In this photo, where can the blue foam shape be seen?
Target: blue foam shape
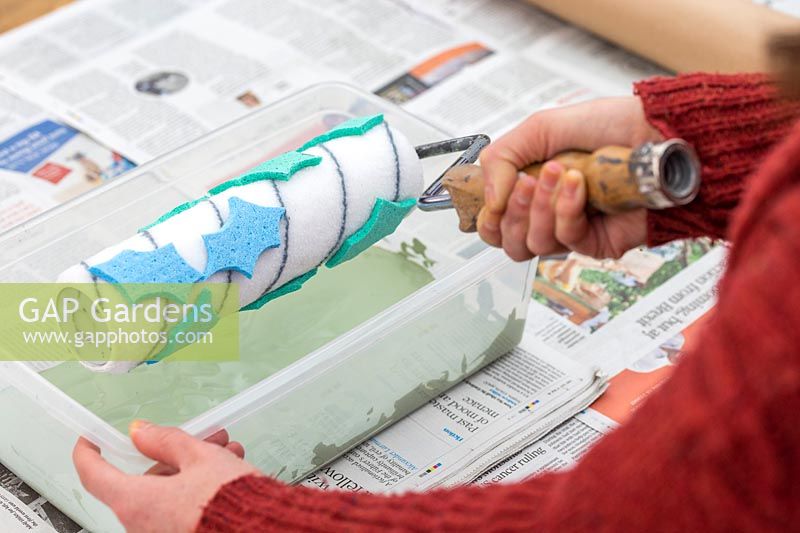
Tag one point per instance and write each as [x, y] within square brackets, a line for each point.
[249, 230]
[163, 265]
[290, 286]
[348, 128]
[383, 220]
[281, 168]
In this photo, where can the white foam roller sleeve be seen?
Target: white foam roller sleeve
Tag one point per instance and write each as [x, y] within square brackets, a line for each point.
[325, 204]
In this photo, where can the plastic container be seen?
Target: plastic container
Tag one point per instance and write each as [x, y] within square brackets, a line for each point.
[316, 408]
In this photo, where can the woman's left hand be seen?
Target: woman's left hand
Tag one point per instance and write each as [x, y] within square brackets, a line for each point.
[172, 494]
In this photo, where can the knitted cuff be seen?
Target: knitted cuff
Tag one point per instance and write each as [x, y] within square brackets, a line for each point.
[259, 503]
[241, 505]
[732, 121]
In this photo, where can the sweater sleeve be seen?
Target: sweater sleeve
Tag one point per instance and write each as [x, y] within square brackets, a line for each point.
[732, 121]
[714, 448]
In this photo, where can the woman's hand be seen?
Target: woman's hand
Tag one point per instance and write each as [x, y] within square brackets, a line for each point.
[169, 497]
[529, 217]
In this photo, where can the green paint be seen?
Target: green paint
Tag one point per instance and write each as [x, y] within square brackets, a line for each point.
[424, 392]
[272, 338]
[290, 286]
[349, 128]
[383, 220]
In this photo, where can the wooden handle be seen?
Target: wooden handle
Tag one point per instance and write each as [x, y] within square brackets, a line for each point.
[610, 187]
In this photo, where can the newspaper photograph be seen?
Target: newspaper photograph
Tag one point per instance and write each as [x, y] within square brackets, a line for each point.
[45, 162]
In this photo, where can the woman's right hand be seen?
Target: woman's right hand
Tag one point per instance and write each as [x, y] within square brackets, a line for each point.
[529, 217]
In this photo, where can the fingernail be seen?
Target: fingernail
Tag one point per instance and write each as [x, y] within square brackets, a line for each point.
[570, 186]
[553, 167]
[548, 179]
[523, 198]
[137, 425]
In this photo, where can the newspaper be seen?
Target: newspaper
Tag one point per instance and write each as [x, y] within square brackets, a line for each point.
[467, 429]
[22, 510]
[205, 64]
[564, 446]
[101, 86]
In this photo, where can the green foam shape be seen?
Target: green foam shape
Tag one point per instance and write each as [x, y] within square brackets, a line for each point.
[280, 168]
[383, 220]
[349, 128]
[283, 290]
[179, 209]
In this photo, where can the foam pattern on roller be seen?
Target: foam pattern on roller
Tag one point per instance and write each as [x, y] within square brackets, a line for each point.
[270, 229]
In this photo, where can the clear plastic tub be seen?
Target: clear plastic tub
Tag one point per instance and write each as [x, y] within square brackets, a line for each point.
[313, 406]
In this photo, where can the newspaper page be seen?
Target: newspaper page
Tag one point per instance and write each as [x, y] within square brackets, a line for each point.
[465, 66]
[22, 510]
[216, 62]
[537, 62]
[146, 77]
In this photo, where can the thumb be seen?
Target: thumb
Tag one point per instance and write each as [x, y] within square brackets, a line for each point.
[168, 445]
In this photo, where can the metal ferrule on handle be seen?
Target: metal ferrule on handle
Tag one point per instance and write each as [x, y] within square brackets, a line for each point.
[435, 198]
[668, 173]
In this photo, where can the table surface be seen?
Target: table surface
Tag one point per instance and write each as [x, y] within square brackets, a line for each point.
[16, 12]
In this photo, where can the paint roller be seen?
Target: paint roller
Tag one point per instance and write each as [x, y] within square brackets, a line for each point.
[270, 229]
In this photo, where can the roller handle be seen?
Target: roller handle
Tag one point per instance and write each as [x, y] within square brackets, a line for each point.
[618, 179]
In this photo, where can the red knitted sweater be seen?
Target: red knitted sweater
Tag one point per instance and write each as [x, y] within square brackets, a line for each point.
[715, 448]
